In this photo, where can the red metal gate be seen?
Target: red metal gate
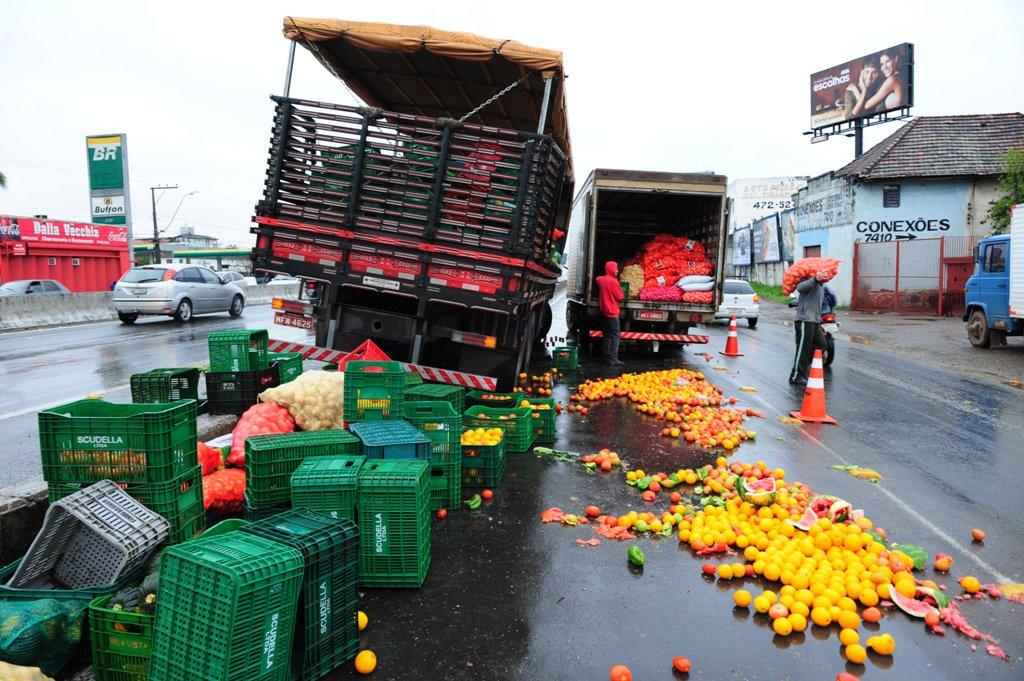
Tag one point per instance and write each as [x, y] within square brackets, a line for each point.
[922, 276]
[897, 276]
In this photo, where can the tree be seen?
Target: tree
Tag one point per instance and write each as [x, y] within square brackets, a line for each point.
[1010, 190]
[3, 180]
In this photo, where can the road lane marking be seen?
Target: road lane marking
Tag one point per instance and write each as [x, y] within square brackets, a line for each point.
[904, 506]
[51, 405]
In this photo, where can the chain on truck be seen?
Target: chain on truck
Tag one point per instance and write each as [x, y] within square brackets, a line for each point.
[429, 219]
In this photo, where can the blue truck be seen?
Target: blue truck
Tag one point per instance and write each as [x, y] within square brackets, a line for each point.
[995, 293]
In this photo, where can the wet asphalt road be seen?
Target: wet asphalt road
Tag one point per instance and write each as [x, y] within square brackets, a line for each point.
[48, 367]
[510, 598]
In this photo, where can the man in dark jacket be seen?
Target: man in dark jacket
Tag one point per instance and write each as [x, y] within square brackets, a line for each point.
[807, 326]
[610, 295]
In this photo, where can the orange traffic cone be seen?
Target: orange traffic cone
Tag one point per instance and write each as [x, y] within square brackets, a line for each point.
[732, 343]
[813, 408]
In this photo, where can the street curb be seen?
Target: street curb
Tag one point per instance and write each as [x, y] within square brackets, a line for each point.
[23, 505]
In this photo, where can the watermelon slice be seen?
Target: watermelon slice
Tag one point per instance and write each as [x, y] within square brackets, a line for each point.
[915, 607]
[941, 599]
[757, 492]
[807, 521]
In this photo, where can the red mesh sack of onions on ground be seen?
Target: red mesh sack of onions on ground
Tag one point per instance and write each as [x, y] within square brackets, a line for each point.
[808, 267]
[260, 419]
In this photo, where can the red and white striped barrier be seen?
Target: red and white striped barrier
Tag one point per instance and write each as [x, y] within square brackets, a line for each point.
[667, 337]
[466, 380]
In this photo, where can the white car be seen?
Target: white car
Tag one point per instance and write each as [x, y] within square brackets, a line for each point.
[160, 290]
[739, 300]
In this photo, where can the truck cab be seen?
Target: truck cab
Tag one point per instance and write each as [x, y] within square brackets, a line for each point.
[987, 310]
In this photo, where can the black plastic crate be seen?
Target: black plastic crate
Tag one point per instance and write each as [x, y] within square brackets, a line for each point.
[232, 392]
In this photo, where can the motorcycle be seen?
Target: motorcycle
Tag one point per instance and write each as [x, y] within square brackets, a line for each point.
[830, 326]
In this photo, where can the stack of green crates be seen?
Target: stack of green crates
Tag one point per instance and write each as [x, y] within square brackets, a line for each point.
[327, 484]
[122, 640]
[165, 385]
[374, 391]
[483, 398]
[241, 350]
[483, 465]
[543, 419]
[393, 505]
[453, 394]
[289, 365]
[443, 425]
[518, 431]
[226, 609]
[270, 461]
[326, 629]
[566, 358]
[147, 449]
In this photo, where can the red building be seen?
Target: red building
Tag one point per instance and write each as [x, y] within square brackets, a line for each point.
[81, 255]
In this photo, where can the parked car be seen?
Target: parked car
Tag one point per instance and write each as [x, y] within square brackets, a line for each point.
[232, 277]
[159, 290]
[20, 287]
[739, 300]
[250, 281]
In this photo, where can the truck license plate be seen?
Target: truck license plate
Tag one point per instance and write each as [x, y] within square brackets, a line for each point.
[652, 315]
[382, 283]
[285, 319]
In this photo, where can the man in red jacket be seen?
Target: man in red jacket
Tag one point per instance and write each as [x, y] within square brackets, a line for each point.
[610, 295]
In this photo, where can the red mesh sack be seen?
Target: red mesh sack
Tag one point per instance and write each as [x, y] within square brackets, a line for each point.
[223, 490]
[699, 297]
[259, 419]
[808, 267]
[661, 294]
[209, 458]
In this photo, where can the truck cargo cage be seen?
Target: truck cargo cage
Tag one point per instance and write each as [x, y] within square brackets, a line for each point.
[433, 180]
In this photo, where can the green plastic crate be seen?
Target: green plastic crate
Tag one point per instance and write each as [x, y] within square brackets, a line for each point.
[226, 609]
[453, 394]
[289, 365]
[270, 461]
[442, 424]
[179, 501]
[483, 465]
[566, 358]
[121, 641]
[543, 419]
[412, 379]
[326, 629]
[252, 512]
[165, 385]
[482, 398]
[393, 506]
[327, 484]
[374, 391]
[85, 594]
[240, 350]
[445, 485]
[392, 440]
[518, 431]
[93, 440]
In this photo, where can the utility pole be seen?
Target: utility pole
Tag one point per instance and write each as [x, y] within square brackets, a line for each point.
[156, 232]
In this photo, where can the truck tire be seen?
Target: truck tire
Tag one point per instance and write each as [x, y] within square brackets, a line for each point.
[977, 329]
[543, 322]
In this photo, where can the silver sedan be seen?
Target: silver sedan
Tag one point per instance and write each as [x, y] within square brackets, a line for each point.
[178, 293]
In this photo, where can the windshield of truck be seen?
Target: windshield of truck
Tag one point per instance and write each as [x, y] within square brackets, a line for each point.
[143, 275]
[737, 288]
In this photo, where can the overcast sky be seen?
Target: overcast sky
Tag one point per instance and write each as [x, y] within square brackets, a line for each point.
[679, 86]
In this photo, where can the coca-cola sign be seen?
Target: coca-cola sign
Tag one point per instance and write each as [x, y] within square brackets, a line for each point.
[32, 230]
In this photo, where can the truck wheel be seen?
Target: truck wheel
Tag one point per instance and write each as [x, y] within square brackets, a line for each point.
[127, 317]
[977, 330]
[543, 322]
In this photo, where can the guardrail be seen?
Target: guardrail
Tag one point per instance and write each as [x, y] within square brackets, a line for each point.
[63, 309]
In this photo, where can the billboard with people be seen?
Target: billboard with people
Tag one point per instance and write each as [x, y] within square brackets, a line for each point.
[863, 87]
